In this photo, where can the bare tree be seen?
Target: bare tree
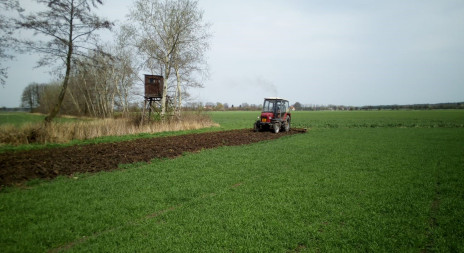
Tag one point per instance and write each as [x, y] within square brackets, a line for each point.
[189, 58]
[101, 82]
[126, 70]
[166, 30]
[92, 87]
[298, 106]
[31, 96]
[70, 26]
[189, 64]
[47, 93]
[6, 32]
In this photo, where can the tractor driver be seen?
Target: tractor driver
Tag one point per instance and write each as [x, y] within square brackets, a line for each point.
[278, 105]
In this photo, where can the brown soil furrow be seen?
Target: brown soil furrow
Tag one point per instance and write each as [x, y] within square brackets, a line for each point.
[18, 167]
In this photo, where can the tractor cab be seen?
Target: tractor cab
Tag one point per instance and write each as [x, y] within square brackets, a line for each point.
[275, 115]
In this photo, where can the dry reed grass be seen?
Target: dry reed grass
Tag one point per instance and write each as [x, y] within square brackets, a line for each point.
[89, 129]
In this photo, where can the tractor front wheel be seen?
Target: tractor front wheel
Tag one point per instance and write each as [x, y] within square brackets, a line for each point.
[276, 127]
[255, 127]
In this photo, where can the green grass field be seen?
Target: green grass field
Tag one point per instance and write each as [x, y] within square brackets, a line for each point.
[19, 118]
[352, 119]
[387, 181]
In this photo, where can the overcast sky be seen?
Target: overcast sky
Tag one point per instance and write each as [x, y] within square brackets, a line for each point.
[315, 52]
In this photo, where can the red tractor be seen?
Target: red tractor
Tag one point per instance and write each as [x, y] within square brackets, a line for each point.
[275, 115]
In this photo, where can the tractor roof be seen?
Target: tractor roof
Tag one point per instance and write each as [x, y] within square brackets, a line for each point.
[275, 98]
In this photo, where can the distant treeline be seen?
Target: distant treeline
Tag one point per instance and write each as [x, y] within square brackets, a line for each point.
[301, 107]
[313, 107]
[14, 109]
[297, 106]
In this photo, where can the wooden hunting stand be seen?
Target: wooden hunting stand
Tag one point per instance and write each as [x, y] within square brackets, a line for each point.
[153, 94]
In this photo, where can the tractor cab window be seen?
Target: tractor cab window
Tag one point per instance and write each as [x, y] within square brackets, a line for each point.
[268, 106]
[279, 109]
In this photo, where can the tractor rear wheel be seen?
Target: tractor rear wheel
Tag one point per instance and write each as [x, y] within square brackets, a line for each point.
[287, 125]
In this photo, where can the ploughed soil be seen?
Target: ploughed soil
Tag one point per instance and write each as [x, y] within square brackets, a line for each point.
[19, 167]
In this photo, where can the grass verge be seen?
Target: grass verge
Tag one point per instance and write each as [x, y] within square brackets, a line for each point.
[20, 137]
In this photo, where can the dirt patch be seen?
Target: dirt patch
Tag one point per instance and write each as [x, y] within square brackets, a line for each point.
[18, 167]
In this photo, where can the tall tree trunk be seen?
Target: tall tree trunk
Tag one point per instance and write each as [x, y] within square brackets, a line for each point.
[64, 87]
[75, 103]
[165, 86]
[179, 92]
[164, 98]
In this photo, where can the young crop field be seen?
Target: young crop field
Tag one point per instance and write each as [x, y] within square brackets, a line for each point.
[353, 119]
[382, 181]
[20, 118]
